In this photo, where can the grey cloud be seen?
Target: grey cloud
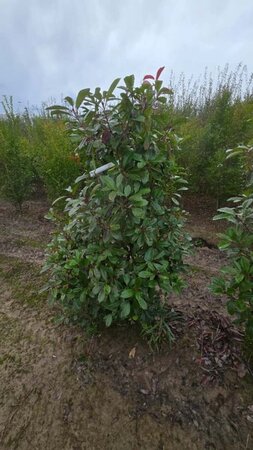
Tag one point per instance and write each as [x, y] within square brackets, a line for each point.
[54, 47]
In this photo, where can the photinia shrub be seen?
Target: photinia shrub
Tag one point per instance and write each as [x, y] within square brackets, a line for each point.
[236, 281]
[120, 244]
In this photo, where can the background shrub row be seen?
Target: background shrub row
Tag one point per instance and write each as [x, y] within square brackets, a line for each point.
[209, 117]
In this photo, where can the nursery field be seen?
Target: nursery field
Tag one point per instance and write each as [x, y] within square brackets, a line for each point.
[63, 389]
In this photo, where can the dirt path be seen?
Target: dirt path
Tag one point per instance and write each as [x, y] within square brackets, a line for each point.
[62, 390]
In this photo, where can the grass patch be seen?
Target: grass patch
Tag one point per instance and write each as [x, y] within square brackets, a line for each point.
[26, 242]
[9, 327]
[24, 280]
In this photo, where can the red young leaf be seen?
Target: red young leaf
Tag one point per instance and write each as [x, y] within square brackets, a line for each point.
[148, 77]
[158, 73]
[106, 136]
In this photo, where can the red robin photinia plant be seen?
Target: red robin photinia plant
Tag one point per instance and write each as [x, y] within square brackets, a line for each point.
[119, 250]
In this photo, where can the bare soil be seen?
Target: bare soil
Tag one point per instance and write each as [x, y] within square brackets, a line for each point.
[63, 389]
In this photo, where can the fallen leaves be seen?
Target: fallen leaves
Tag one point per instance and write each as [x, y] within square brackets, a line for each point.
[219, 343]
[132, 352]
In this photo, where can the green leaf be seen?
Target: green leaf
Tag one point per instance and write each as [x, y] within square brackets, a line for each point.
[117, 236]
[135, 318]
[140, 118]
[57, 107]
[59, 110]
[142, 303]
[112, 196]
[81, 96]
[119, 180]
[226, 216]
[81, 178]
[145, 177]
[58, 199]
[149, 254]
[129, 82]
[144, 191]
[175, 201]
[224, 245]
[166, 90]
[162, 99]
[101, 296]
[107, 289]
[127, 190]
[138, 212]
[158, 84]
[114, 226]
[141, 164]
[112, 87]
[139, 201]
[136, 197]
[69, 100]
[245, 264]
[227, 210]
[126, 278]
[233, 153]
[108, 320]
[98, 94]
[127, 293]
[96, 289]
[144, 274]
[125, 310]
[109, 182]
[137, 157]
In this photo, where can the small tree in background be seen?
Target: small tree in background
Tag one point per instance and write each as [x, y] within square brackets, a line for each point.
[121, 243]
[53, 156]
[16, 168]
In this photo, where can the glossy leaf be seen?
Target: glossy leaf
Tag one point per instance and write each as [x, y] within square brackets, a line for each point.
[129, 82]
[69, 100]
[127, 293]
[112, 87]
[108, 320]
[158, 73]
[125, 310]
[81, 97]
[148, 77]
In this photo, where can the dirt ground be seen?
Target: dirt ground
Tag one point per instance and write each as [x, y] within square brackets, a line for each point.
[61, 389]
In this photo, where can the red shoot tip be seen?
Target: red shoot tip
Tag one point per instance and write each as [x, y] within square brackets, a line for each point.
[158, 73]
[148, 77]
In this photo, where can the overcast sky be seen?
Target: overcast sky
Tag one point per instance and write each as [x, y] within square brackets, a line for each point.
[50, 48]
